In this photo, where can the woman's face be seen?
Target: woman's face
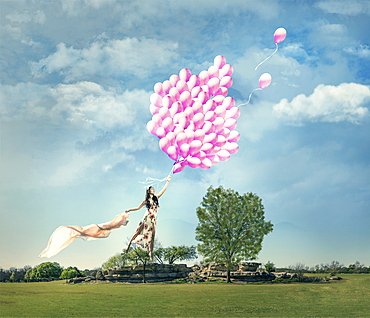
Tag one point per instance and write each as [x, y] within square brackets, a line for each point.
[151, 190]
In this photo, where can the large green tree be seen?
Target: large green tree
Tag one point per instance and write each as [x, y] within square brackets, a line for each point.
[231, 226]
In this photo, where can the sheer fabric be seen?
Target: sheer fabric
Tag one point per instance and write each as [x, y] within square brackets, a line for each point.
[65, 235]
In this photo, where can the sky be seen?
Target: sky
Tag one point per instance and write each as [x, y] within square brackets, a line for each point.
[76, 78]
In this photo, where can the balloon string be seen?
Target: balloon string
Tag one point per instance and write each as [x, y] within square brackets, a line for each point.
[267, 58]
[151, 181]
[249, 98]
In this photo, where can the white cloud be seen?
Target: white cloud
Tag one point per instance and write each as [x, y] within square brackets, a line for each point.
[352, 8]
[327, 103]
[83, 104]
[363, 51]
[112, 58]
[26, 17]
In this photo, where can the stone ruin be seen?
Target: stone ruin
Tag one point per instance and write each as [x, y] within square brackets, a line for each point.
[154, 273]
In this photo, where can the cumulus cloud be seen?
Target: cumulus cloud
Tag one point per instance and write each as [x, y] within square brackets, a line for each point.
[363, 51]
[355, 7]
[111, 58]
[27, 17]
[327, 103]
[81, 104]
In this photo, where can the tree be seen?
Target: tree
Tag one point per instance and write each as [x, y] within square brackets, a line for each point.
[69, 273]
[179, 253]
[138, 255]
[270, 267]
[47, 270]
[231, 226]
[117, 260]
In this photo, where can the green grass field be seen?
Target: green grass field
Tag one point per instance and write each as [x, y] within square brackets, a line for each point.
[346, 298]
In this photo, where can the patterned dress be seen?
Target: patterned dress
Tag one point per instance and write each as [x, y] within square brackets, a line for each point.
[145, 232]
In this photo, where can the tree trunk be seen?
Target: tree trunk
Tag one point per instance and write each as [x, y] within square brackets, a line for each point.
[228, 280]
[144, 281]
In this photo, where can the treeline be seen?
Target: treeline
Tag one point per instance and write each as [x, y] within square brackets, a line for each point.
[335, 267]
[48, 271]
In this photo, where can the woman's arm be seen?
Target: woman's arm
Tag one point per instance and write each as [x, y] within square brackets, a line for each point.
[138, 208]
[164, 188]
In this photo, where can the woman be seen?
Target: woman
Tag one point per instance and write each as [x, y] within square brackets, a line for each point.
[145, 232]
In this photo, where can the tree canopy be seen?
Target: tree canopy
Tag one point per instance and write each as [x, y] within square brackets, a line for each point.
[231, 226]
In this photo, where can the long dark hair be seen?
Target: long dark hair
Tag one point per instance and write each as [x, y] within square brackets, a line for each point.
[147, 197]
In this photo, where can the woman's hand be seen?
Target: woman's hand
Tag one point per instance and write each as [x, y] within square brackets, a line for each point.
[169, 178]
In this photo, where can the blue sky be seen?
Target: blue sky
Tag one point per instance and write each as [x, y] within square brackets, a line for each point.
[76, 77]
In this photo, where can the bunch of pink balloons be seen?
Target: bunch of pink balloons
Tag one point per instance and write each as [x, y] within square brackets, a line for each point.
[194, 118]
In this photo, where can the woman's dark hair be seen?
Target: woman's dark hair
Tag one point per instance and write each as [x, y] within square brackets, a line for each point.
[147, 196]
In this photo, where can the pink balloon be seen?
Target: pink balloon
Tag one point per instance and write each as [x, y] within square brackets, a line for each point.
[204, 77]
[203, 97]
[219, 61]
[226, 81]
[164, 143]
[222, 91]
[195, 146]
[198, 120]
[199, 135]
[195, 91]
[227, 70]
[172, 152]
[197, 107]
[174, 93]
[182, 86]
[213, 85]
[231, 147]
[265, 80]
[207, 127]
[213, 71]
[220, 111]
[176, 108]
[153, 109]
[160, 132]
[221, 141]
[207, 147]
[164, 112]
[174, 79]
[218, 99]
[225, 132]
[156, 100]
[171, 137]
[167, 101]
[206, 164]
[193, 162]
[184, 150]
[152, 127]
[214, 159]
[185, 98]
[230, 123]
[209, 105]
[178, 167]
[210, 138]
[181, 138]
[218, 123]
[158, 88]
[167, 86]
[167, 124]
[200, 154]
[156, 118]
[223, 155]
[185, 74]
[210, 116]
[279, 35]
[228, 102]
[234, 136]
[234, 112]
[193, 81]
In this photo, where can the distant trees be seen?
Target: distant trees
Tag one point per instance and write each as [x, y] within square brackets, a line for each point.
[270, 267]
[70, 272]
[117, 260]
[173, 253]
[231, 226]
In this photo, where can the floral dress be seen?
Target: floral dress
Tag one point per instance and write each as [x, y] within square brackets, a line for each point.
[145, 232]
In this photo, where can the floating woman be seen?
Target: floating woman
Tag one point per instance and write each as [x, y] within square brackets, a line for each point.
[145, 232]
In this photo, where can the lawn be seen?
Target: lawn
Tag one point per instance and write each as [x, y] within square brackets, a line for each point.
[346, 298]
